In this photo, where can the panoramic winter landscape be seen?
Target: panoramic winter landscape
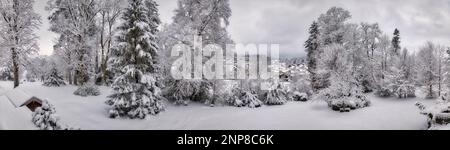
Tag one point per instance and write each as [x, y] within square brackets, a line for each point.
[224, 65]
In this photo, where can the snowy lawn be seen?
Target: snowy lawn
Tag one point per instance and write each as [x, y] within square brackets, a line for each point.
[91, 114]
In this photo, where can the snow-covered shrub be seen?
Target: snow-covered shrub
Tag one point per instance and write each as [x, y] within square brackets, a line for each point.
[53, 79]
[276, 96]
[297, 96]
[349, 103]
[384, 92]
[438, 115]
[45, 118]
[245, 99]
[344, 96]
[184, 91]
[181, 91]
[87, 90]
[405, 91]
[5, 74]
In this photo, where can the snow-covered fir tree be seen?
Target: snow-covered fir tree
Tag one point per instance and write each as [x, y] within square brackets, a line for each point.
[396, 47]
[45, 118]
[54, 79]
[312, 48]
[276, 96]
[87, 90]
[18, 25]
[136, 94]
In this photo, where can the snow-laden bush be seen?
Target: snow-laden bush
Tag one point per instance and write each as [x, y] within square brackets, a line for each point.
[297, 96]
[53, 79]
[344, 95]
[438, 115]
[45, 118]
[87, 90]
[349, 103]
[384, 91]
[245, 99]
[184, 91]
[276, 96]
[405, 91]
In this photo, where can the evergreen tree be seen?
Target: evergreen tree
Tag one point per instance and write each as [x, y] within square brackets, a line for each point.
[45, 118]
[136, 93]
[54, 79]
[312, 48]
[276, 96]
[396, 47]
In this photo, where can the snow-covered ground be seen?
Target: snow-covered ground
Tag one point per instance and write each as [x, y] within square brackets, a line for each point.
[91, 114]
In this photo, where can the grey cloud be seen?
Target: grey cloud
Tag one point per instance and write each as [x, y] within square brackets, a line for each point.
[286, 22]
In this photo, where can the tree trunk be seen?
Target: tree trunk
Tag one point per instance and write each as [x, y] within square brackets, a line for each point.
[431, 90]
[15, 67]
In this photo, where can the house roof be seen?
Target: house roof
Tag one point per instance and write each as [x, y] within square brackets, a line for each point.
[12, 118]
[18, 97]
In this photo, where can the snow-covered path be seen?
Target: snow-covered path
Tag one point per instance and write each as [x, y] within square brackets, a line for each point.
[91, 114]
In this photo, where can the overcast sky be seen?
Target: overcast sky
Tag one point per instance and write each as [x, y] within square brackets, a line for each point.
[286, 22]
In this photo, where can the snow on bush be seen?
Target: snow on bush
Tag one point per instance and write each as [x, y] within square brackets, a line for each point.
[384, 92]
[45, 118]
[276, 96]
[405, 91]
[438, 115]
[53, 79]
[344, 96]
[184, 91]
[245, 99]
[303, 97]
[349, 103]
[87, 90]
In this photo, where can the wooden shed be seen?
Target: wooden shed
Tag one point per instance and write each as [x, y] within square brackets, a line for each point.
[20, 99]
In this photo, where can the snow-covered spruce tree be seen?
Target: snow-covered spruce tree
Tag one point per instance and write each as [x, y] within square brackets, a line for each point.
[45, 118]
[87, 90]
[243, 95]
[17, 25]
[136, 94]
[54, 79]
[396, 47]
[276, 96]
[312, 48]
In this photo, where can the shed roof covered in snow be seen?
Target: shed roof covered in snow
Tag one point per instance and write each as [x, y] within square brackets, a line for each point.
[2, 90]
[12, 118]
[19, 98]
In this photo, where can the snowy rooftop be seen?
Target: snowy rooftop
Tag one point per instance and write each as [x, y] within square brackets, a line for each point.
[12, 118]
[2, 90]
[18, 97]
